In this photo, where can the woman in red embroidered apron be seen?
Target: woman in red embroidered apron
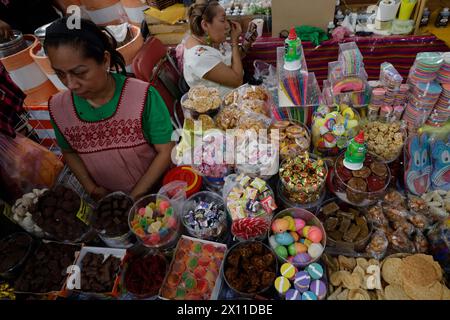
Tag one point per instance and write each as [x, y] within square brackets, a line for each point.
[115, 132]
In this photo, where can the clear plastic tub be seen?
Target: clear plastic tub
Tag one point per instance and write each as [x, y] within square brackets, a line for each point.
[291, 143]
[299, 192]
[207, 232]
[27, 243]
[148, 259]
[168, 233]
[193, 114]
[125, 240]
[357, 198]
[285, 202]
[343, 246]
[311, 220]
[226, 267]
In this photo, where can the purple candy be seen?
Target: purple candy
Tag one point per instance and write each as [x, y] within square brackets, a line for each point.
[302, 258]
[302, 281]
[293, 294]
[319, 288]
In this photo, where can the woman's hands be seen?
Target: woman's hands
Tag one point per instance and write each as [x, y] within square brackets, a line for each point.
[236, 31]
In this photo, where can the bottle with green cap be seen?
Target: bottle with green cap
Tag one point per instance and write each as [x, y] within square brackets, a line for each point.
[292, 51]
[356, 153]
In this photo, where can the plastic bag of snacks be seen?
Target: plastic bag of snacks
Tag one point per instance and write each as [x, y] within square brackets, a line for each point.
[201, 100]
[250, 203]
[253, 98]
[378, 245]
[25, 165]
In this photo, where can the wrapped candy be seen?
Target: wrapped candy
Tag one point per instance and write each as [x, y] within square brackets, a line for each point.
[333, 128]
[303, 178]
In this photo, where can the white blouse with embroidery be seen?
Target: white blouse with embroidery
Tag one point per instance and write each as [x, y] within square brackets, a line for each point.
[200, 59]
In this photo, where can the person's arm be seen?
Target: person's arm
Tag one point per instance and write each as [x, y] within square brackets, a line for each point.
[77, 167]
[157, 168]
[60, 5]
[229, 76]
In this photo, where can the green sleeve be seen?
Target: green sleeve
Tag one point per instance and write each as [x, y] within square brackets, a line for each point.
[156, 119]
[62, 143]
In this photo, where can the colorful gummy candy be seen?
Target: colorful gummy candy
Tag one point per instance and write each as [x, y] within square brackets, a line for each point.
[156, 224]
[194, 270]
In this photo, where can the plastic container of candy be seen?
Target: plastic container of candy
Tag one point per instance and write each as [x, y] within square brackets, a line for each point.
[125, 240]
[143, 275]
[332, 129]
[194, 105]
[264, 270]
[353, 189]
[204, 216]
[344, 210]
[284, 201]
[297, 236]
[23, 245]
[306, 186]
[154, 222]
[294, 137]
[250, 207]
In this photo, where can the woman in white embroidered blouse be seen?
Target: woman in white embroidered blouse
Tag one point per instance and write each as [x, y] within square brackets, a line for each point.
[208, 59]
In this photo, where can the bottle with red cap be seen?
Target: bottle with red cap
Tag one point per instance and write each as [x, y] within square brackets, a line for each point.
[355, 153]
[292, 51]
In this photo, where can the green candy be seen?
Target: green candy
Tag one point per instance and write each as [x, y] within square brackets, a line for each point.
[193, 263]
[184, 276]
[181, 292]
[282, 252]
[191, 283]
[291, 249]
[197, 248]
[169, 212]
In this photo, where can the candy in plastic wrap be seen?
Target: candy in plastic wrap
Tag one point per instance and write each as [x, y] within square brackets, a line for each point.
[378, 245]
[420, 242]
[394, 198]
[405, 226]
[400, 242]
[418, 220]
[395, 213]
[376, 216]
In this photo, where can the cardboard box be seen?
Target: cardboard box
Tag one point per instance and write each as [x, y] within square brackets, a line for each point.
[291, 13]
[171, 38]
[167, 28]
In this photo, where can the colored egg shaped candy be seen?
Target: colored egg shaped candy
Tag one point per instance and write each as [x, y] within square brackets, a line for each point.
[319, 288]
[280, 225]
[315, 270]
[281, 251]
[299, 224]
[300, 247]
[314, 234]
[309, 295]
[315, 250]
[293, 294]
[305, 231]
[292, 250]
[284, 239]
[282, 284]
[291, 222]
[288, 270]
[273, 242]
[302, 280]
[302, 259]
[295, 235]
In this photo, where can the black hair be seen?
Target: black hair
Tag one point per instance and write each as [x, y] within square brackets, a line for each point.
[92, 39]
